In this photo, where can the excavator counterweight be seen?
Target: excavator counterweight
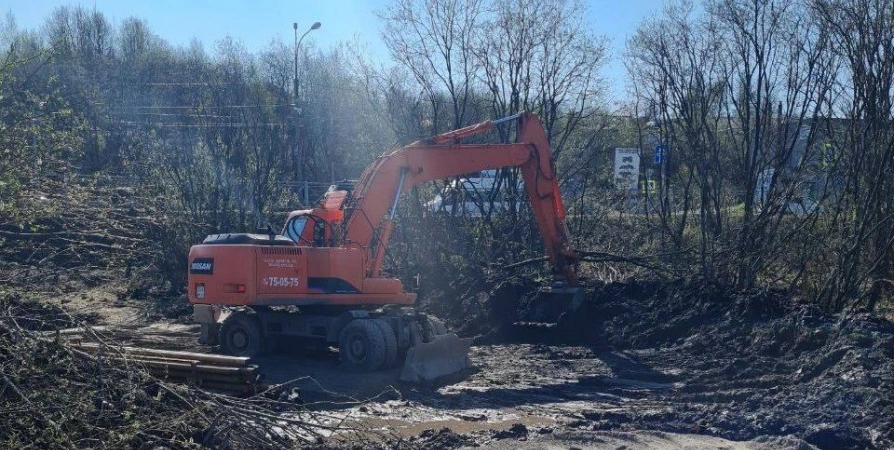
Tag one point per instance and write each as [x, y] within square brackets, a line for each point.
[320, 281]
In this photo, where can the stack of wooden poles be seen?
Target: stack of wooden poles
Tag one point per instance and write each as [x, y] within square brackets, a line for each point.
[219, 372]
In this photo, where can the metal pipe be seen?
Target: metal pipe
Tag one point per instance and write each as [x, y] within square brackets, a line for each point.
[400, 187]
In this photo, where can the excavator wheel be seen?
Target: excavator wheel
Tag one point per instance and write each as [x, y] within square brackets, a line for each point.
[362, 346]
[241, 335]
[390, 342]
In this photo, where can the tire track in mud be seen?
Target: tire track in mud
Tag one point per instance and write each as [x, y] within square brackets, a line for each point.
[559, 396]
[686, 357]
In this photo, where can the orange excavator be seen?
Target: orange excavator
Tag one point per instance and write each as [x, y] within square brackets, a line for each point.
[320, 281]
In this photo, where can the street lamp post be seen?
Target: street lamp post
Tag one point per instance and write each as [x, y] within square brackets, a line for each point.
[315, 26]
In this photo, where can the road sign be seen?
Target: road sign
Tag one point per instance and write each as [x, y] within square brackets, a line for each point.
[660, 154]
[626, 168]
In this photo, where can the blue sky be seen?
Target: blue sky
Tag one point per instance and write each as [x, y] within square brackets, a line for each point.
[256, 23]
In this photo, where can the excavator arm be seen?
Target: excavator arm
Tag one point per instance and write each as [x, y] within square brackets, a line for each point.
[369, 217]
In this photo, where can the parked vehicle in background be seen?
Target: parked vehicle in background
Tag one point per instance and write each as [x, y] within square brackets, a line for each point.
[474, 195]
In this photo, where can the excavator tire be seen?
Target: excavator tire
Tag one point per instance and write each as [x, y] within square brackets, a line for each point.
[390, 342]
[361, 345]
[241, 335]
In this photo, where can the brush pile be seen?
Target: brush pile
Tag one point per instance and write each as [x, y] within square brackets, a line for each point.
[54, 395]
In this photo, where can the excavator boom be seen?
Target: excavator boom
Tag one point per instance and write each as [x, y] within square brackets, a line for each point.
[369, 219]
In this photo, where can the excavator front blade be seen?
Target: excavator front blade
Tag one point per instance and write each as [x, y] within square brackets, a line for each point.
[444, 355]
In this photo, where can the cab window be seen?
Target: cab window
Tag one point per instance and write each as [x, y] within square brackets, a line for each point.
[295, 227]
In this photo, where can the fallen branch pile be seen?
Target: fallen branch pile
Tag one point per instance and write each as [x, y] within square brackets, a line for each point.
[56, 395]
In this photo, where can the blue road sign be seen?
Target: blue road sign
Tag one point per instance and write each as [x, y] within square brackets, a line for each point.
[660, 154]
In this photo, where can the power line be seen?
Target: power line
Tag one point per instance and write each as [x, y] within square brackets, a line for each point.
[187, 83]
[198, 106]
[211, 125]
[211, 116]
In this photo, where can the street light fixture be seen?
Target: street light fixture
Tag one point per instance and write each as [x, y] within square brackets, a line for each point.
[315, 26]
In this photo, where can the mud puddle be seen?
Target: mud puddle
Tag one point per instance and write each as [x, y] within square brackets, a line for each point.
[518, 396]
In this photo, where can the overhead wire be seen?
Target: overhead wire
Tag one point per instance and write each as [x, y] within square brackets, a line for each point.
[262, 105]
[211, 125]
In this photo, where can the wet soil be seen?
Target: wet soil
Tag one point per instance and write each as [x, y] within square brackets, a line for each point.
[517, 396]
[681, 357]
[639, 365]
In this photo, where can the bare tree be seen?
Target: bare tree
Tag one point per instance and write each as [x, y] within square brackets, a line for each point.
[739, 94]
[777, 82]
[862, 34]
[682, 82]
[539, 55]
[434, 41]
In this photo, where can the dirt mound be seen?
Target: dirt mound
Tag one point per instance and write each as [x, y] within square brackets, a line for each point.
[744, 364]
[755, 363]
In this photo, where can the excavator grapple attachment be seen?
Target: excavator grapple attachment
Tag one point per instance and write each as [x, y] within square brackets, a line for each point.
[551, 302]
[443, 355]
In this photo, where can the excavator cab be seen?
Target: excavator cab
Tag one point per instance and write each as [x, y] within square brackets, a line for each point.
[317, 227]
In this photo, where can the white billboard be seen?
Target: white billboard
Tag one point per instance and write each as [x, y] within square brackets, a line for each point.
[626, 168]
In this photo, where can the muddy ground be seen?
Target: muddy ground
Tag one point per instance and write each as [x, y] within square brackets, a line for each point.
[640, 365]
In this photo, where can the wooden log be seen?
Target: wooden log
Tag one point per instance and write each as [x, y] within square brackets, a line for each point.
[194, 368]
[73, 331]
[205, 358]
[223, 373]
